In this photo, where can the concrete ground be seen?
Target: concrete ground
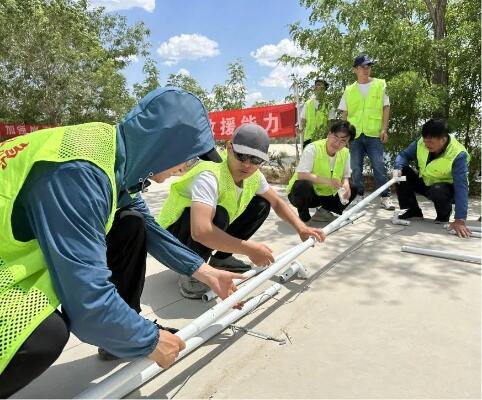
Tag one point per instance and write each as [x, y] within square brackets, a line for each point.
[372, 323]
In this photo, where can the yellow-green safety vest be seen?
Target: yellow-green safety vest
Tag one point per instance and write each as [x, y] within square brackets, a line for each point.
[321, 167]
[27, 295]
[438, 170]
[366, 113]
[228, 198]
[315, 119]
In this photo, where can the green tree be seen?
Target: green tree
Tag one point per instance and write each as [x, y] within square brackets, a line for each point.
[151, 80]
[187, 82]
[263, 103]
[427, 50]
[61, 62]
[231, 95]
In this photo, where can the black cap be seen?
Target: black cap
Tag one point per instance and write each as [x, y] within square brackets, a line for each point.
[211, 155]
[362, 59]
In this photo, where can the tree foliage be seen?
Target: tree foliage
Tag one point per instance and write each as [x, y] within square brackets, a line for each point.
[232, 94]
[60, 62]
[187, 82]
[427, 50]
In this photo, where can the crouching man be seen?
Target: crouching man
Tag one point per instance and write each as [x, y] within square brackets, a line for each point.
[323, 170]
[219, 206]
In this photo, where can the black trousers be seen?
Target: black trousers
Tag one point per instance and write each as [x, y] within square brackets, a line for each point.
[442, 194]
[304, 197]
[126, 257]
[243, 227]
[306, 142]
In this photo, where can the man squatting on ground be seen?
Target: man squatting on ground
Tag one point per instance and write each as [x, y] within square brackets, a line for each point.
[366, 105]
[442, 176]
[220, 206]
[323, 169]
[74, 230]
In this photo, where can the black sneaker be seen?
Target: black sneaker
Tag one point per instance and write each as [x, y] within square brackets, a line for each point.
[304, 215]
[104, 355]
[412, 214]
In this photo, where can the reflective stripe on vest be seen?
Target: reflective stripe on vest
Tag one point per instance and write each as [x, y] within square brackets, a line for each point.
[27, 295]
[438, 170]
[228, 197]
[366, 113]
[321, 167]
[315, 119]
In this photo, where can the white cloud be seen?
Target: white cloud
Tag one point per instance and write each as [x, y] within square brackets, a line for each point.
[183, 71]
[281, 75]
[268, 54]
[115, 5]
[187, 47]
[132, 58]
[252, 97]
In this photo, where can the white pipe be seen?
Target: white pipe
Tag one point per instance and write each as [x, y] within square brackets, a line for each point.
[210, 316]
[295, 268]
[471, 228]
[210, 295]
[348, 221]
[441, 254]
[472, 234]
[398, 221]
[126, 382]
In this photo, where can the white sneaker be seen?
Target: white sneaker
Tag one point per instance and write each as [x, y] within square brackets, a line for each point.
[386, 203]
[322, 215]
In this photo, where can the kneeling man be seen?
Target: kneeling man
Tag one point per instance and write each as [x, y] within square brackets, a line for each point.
[442, 176]
[219, 206]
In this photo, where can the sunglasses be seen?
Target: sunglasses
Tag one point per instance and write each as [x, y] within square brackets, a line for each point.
[247, 157]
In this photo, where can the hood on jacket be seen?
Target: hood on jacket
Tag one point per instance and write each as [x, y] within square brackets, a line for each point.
[168, 127]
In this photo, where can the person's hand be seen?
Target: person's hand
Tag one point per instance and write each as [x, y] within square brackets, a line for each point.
[167, 349]
[259, 253]
[396, 173]
[220, 281]
[460, 228]
[335, 183]
[383, 136]
[305, 232]
[347, 193]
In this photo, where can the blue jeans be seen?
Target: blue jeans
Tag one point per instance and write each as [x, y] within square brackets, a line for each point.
[373, 147]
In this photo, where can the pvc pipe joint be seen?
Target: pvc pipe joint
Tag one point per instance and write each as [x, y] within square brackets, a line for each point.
[397, 221]
[295, 268]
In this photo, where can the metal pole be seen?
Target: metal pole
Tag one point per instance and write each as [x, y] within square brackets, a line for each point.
[297, 101]
[210, 316]
[121, 388]
[442, 254]
[473, 234]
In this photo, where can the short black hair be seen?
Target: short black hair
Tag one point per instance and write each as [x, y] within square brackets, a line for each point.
[325, 83]
[435, 128]
[344, 127]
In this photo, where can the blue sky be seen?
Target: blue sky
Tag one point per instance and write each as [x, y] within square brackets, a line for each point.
[202, 37]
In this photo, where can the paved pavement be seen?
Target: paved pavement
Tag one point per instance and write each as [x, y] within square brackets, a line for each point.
[372, 323]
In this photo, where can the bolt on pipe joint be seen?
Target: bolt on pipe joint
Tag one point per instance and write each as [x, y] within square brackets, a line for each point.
[295, 268]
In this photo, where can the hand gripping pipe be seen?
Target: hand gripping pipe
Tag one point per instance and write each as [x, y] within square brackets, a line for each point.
[473, 234]
[471, 228]
[125, 382]
[210, 316]
[442, 254]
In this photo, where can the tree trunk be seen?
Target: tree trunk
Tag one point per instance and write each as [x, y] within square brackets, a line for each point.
[440, 74]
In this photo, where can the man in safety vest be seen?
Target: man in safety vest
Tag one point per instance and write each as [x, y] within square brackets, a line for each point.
[220, 206]
[442, 176]
[322, 176]
[365, 104]
[74, 230]
[316, 114]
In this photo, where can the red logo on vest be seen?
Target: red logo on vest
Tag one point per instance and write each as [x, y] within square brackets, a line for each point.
[10, 153]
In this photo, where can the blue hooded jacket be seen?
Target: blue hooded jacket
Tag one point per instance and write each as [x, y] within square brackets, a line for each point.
[65, 207]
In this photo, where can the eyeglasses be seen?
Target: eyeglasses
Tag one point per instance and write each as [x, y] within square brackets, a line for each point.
[340, 140]
[247, 157]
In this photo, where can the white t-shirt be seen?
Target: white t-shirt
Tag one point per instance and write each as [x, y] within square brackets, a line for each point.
[331, 111]
[364, 87]
[204, 188]
[308, 157]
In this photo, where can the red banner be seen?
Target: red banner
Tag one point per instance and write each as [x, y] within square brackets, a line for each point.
[8, 131]
[279, 120]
